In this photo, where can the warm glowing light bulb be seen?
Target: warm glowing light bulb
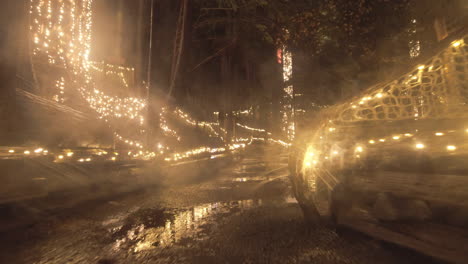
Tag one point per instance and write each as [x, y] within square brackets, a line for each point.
[371, 141]
[39, 150]
[60, 157]
[421, 67]
[27, 152]
[420, 146]
[456, 44]
[11, 151]
[379, 95]
[451, 148]
[439, 134]
[396, 137]
[382, 140]
[359, 149]
[69, 154]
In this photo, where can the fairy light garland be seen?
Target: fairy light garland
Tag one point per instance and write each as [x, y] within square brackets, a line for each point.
[61, 38]
[164, 126]
[288, 115]
[187, 119]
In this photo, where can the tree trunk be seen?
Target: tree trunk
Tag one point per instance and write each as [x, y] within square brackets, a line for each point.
[13, 58]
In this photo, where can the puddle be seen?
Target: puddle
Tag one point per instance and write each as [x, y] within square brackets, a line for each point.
[152, 228]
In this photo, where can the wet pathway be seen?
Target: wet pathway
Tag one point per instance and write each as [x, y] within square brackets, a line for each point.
[244, 214]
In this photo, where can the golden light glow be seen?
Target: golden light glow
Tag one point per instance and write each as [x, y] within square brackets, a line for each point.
[279, 141]
[451, 148]
[61, 33]
[60, 157]
[420, 146]
[39, 150]
[11, 151]
[61, 38]
[366, 110]
[27, 152]
[287, 108]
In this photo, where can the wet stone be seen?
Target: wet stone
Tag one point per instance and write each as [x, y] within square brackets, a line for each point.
[254, 219]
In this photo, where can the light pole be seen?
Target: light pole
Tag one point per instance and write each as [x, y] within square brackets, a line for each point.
[148, 77]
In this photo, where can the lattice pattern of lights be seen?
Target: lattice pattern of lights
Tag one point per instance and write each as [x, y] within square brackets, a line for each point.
[435, 90]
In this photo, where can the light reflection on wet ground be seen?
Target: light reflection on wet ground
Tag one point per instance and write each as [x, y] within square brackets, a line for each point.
[162, 228]
[246, 214]
[152, 228]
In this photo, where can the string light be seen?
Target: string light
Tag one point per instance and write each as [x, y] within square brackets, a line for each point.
[163, 125]
[61, 33]
[39, 150]
[451, 148]
[457, 44]
[187, 119]
[288, 115]
[68, 45]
